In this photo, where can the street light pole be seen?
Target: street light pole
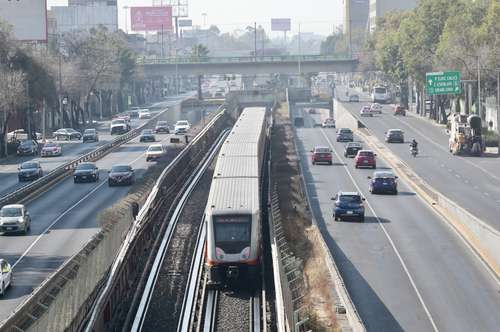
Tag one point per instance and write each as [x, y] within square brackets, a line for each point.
[300, 54]
[126, 18]
[255, 40]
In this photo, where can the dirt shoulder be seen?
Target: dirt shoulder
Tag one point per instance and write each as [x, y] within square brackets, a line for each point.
[301, 234]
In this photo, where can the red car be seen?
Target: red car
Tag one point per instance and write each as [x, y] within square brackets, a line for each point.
[399, 110]
[321, 154]
[365, 158]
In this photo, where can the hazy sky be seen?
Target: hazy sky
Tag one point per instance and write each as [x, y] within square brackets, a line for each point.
[318, 16]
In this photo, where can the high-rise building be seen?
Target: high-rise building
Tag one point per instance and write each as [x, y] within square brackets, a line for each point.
[86, 14]
[355, 15]
[379, 8]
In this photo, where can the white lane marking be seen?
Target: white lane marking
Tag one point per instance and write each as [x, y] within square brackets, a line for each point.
[38, 238]
[458, 176]
[393, 245]
[447, 151]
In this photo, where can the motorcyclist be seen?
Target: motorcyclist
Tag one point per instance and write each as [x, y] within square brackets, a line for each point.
[414, 145]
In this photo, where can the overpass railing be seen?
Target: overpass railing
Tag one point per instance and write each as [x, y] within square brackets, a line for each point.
[239, 59]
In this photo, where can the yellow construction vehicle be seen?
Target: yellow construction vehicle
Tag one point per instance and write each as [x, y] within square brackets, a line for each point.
[465, 135]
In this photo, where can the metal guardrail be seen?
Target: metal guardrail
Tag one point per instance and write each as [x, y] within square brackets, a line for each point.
[240, 59]
[63, 170]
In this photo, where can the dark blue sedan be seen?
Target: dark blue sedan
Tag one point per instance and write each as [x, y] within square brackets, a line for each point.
[383, 183]
[348, 205]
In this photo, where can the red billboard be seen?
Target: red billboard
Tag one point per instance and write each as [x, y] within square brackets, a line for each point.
[151, 18]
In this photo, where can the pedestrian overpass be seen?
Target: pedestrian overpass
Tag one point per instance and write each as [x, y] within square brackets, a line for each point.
[248, 65]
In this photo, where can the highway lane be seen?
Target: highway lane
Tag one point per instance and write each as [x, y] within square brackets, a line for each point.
[71, 150]
[64, 219]
[404, 268]
[472, 182]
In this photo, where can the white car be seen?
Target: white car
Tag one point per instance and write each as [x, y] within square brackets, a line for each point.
[5, 276]
[181, 127]
[365, 111]
[119, 127]
[155, 152]
[14, 218]
[144, 114]
[328, 123]
[376, 108]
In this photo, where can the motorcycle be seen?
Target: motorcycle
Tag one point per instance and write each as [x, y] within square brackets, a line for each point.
[413, 151]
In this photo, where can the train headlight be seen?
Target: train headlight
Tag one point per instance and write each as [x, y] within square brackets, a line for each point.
[219, 253]
[245, 253]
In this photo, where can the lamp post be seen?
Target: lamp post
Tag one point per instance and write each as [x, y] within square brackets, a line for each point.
[125, 8]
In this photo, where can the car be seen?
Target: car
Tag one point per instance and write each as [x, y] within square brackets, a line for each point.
[321, 154]
[27, 148]
[354, 98]
[14, 218]
[383, 182]
[162, 127]
[125, 117]
[348, 205]
[376, 108]
[399, 110]
[90, 135]
[119, 127]
[365, 158]
[365, 111]
[144, 114]
[121, 175]
[86, 172]
[30, 170]
[345, 135]
[351, 149]
[5, 276]
[134, 112]
[147, 136]
[181, 127]
[51, 149]
[381, 94]
[20, 134]
[155, 151]
[394, 136]
[67, 134]
[328, 123]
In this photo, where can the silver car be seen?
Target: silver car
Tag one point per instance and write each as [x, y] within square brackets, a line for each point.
[14, 218]
[5, 275]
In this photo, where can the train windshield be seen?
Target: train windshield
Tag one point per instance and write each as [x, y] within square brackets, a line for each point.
[232, 233]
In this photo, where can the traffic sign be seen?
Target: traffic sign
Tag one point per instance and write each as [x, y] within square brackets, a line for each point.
[443, 83]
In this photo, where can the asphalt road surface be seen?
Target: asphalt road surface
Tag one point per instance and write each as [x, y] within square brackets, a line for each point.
[405, 268]
[472, 182]
[65, 217]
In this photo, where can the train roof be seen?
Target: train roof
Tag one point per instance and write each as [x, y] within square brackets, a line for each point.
[234, 194]
[236, 149]
[240, 166]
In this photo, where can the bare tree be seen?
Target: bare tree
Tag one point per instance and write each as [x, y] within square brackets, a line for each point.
[12, 95]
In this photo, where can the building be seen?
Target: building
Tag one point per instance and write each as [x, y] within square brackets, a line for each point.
[86, 14]
[379, 8]
[356, 15]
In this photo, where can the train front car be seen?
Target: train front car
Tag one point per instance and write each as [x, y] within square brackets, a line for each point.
[233, 214]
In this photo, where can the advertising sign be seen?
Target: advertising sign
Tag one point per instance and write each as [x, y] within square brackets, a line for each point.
[185, 23]
[151, 18]
[443, 83]
[281, 24]
[27, 18]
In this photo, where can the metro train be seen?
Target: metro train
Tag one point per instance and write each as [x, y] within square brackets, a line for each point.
[233, 211]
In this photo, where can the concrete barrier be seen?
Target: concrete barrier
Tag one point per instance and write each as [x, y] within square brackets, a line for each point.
[484, 239]
[344, 118]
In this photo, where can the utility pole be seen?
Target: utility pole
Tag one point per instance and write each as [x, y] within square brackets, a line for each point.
[255, 40]
[43, 120]
[162, 53]
[479, 89]
[300, 55]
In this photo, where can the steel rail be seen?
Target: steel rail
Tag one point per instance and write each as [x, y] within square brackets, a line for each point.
[142, 310]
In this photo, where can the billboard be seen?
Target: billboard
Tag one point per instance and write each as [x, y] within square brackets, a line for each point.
[281, 24]
[27, 18]
[185, 23]
[151, 18]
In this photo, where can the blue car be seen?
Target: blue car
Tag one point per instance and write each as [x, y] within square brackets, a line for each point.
[348, 205]
[383, 183]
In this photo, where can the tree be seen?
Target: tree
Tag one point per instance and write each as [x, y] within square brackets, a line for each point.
[199, 52]
[12, 96]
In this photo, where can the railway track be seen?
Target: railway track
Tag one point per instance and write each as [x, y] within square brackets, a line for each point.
[169, 274]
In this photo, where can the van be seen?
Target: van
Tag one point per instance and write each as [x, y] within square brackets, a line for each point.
[381, 95]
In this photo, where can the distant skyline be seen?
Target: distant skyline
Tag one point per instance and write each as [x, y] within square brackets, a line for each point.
[319, 16]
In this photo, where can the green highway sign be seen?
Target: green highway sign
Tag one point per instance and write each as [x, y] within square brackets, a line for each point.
[443, 83]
